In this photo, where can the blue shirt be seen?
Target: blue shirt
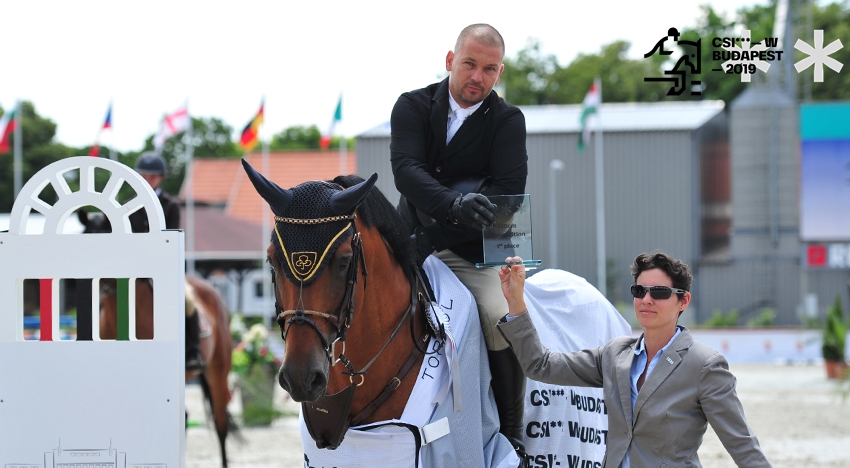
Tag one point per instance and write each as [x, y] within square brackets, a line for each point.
[638, 363]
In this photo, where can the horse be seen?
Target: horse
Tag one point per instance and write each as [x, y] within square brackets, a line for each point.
[216, 341]
[347, 358]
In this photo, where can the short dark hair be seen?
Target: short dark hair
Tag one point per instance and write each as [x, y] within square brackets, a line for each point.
[678, 271]
[483, 33]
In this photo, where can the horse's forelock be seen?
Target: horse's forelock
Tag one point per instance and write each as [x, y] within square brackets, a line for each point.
[376, 211]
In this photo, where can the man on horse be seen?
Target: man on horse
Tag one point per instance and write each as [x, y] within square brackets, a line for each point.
[151, 167]
[456, 130]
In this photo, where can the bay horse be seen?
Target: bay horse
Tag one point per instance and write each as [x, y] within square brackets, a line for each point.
[216, 341]
[345, 283]
[353, 311]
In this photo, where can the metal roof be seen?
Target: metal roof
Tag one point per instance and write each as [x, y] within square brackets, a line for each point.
[615, 117]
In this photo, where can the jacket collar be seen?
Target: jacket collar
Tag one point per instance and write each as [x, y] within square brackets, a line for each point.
[669, 360]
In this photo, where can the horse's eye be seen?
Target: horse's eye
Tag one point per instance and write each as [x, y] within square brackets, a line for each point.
[344, 262]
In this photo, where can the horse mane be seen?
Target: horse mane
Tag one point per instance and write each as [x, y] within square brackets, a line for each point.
[376, 211]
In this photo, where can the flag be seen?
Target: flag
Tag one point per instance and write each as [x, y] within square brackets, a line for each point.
[325, 141]
[589, 107]
[7, 126]
[107, 124]
[251, 132]
[172, 124]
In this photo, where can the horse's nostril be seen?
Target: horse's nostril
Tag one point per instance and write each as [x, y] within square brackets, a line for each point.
[284, 384]
[318, 382]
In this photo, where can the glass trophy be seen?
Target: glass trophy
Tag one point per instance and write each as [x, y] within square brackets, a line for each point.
[510, 235]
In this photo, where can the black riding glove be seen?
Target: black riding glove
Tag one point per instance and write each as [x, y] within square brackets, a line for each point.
[473, 209]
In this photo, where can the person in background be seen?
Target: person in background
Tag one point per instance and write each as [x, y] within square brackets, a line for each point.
[151, 167]
[661, 389]
[461, 130]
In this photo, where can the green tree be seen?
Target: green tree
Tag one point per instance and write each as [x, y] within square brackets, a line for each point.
[300, 137]
[622, 78]
[834, 20]
[296, 138]
[211, 138]
[716, 84]
[39, 150]
[527, 79]
[533, 78]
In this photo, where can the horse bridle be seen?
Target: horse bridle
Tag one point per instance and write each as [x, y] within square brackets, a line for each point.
[327, 424]
[341, 321]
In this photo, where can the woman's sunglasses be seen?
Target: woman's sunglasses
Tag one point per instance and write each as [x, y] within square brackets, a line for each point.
[657, 292]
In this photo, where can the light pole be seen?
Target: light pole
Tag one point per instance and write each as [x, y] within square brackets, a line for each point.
[555, 166]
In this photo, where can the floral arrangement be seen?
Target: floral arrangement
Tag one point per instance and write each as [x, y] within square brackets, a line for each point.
[252, 347]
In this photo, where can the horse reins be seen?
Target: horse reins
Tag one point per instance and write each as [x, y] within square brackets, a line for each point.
[342, 320]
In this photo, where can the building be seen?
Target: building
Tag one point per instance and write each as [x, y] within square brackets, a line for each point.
[229, 245]
[659, 161]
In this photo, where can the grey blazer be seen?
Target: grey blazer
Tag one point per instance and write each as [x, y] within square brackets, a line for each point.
[690, 386]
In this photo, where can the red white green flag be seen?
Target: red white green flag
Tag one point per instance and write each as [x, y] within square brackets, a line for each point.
[590, 106]
[325, 141]
[7, 126]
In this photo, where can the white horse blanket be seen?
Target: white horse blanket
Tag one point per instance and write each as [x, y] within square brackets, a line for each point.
[473, 440]
[564, 426]
[568, 426]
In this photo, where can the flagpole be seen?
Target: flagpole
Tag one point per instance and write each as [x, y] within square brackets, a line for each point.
[343, 160]
[555, 166]
[18, 150]
[112, 154]
[264, 242]
[190, 202]
[601, 274]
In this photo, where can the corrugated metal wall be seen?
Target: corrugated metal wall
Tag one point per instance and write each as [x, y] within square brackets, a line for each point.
[654, 192]
[650, 198]
[765, 248]
[649, 204]
[373, 155]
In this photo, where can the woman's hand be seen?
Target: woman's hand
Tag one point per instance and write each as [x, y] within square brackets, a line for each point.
[512, 277]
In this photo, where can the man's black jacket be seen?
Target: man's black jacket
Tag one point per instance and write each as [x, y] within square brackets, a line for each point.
[491, 142]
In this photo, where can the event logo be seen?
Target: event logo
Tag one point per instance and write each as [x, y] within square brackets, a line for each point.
[738, 56]
[688, 63]
[745, 58]
[818, 56]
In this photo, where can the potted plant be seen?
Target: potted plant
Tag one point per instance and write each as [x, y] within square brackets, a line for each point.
[256, 368]
[834, 336]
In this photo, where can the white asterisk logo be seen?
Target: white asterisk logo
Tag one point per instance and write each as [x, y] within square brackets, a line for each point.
[818, 56]
[745, 47]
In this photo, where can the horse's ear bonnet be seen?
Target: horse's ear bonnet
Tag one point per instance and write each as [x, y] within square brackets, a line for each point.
[311, 220]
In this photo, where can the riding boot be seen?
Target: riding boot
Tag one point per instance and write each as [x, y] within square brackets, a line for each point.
[194, 357]
[508, 386]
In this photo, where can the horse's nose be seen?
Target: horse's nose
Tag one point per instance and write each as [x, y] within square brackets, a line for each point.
[307, 388]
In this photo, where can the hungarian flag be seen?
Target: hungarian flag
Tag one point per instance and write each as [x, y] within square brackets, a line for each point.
[172, 124]
[325, 141]
[7, 126]
[107, 124]
[589, 107]
[251, 132]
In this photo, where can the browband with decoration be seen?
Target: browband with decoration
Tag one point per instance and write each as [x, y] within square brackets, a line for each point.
[304, 265]
[331, 219]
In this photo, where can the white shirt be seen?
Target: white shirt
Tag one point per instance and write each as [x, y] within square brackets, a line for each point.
[457, 115]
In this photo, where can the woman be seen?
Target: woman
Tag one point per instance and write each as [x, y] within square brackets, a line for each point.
[661, 389]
